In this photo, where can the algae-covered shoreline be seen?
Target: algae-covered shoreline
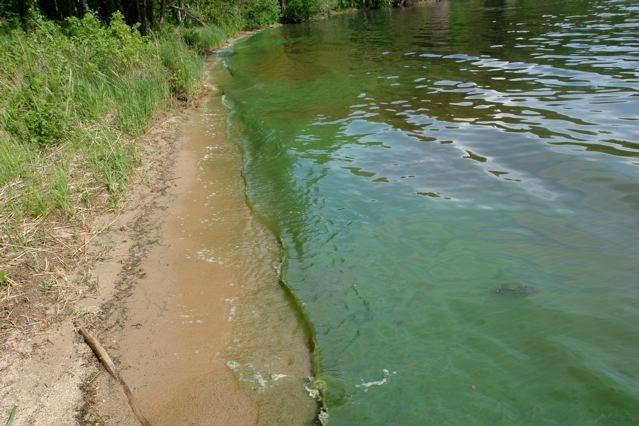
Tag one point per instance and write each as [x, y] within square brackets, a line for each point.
[314, 388]
[410, 165]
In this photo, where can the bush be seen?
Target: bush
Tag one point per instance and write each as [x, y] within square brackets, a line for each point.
[36, 116]
[372, 4]
[225, 14]
[261, 13]
[233, 16]
[303, 10]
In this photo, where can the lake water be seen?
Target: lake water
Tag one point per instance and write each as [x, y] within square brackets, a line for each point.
[456, 190]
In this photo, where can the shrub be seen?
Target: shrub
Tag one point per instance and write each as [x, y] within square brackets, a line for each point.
[303, 10]
[261, 13]
[36, 116]
[345, 4]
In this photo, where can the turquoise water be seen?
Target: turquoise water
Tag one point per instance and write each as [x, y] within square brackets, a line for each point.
[456, 189]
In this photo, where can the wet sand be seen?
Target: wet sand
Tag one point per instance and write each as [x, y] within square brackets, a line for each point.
[206, 301]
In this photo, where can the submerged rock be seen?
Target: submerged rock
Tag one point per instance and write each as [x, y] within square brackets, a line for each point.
[519, 291]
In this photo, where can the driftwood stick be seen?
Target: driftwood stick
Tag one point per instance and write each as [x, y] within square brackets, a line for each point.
[107, 362]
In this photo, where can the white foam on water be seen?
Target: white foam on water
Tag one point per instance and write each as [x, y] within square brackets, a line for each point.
[323, 416]
[386, 374]
[250, 375]
[313, 393]
[233, 309]
[232, 313]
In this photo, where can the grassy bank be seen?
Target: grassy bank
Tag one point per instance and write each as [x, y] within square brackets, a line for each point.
[75, 99]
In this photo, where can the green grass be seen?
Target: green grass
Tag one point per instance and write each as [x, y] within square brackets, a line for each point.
[60, 190]
[72, 99]
[15, 158]
[204, 39]
[185, 67]
[111, 162]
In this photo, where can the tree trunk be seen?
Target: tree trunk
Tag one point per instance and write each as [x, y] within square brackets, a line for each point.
[150, 18]
[143, 18]
[23, 12]
[162, 12]
[82, 7]
[141, 6]
[138, 12]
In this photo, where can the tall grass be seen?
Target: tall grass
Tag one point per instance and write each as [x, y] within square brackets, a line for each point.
[185, 67]
[204, 39]
[72, 98]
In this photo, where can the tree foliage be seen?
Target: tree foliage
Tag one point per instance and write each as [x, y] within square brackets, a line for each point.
[150, 14]
[303, 10]
[229, 15]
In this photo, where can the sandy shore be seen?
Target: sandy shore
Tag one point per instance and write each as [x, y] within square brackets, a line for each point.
[169, 328]
[173, 288]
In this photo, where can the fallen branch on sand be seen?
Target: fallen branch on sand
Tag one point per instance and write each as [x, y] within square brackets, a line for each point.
[106, 361]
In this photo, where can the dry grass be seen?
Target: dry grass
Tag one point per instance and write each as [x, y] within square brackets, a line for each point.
[46, 261]
[39, 258]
